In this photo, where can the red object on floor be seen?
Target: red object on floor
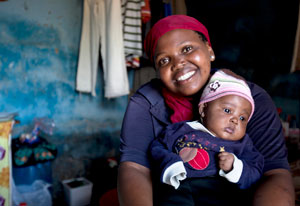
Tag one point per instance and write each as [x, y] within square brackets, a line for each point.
[110, 198]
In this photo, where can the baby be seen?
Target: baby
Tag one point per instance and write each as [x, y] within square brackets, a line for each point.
[189, 149]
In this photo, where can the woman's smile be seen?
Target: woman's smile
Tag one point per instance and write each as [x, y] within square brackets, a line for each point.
[186, 76]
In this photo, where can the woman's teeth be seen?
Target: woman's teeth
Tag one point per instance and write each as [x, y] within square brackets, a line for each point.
[186, 76]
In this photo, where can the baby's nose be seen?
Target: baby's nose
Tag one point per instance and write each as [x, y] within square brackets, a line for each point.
[234, 120]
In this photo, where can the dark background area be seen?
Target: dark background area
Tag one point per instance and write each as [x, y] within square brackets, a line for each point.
[254, 38]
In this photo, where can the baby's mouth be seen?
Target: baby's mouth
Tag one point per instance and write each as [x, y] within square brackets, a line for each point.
[229, 130]
[185, 76]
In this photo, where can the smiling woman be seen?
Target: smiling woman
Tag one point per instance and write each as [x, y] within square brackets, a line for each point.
[183, 60]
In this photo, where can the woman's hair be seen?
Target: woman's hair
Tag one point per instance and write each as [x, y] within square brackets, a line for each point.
[202, 36]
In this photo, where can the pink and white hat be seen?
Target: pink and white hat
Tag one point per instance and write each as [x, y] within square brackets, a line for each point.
[222, 84]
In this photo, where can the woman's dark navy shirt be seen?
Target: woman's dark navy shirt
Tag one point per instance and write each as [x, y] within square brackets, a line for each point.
[147, 115]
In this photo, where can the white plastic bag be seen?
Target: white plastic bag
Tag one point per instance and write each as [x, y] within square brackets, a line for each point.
[36, 194]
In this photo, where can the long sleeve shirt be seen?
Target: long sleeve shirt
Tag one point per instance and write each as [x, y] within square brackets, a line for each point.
[247, 166]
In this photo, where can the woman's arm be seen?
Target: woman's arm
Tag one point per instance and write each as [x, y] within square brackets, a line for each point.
[134, 185]
[276, 188]
[143, 121]
[265, 130]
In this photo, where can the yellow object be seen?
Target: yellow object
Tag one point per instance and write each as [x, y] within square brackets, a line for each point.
[5, 162]
[222, 149]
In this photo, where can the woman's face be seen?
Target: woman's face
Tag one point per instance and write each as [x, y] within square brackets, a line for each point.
[183, 59]
[227, 116]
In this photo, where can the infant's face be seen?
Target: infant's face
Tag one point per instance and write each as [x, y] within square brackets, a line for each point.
[227, 117]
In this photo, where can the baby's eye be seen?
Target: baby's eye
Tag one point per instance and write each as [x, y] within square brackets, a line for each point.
[163, 61]
[242, 118]
[187, 49]
[227, 110]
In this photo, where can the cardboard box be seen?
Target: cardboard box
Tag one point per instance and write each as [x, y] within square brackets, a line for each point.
[78, 191]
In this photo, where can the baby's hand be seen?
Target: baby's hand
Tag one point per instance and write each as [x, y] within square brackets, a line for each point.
[226, 161]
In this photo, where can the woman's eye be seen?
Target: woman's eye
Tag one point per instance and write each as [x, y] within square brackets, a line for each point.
[227, 110]
[163, 61]
[187, 49]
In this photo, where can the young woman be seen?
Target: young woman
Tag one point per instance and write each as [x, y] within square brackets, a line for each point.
[181, 51]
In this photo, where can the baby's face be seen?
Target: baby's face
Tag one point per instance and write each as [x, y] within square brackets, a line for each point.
[227, 117]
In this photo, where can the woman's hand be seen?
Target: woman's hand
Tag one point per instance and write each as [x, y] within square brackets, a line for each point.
[226, 161]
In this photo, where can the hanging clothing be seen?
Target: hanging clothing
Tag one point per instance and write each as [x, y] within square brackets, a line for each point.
[146, 12]
[132, 31]
[167, 8]
[102, 25]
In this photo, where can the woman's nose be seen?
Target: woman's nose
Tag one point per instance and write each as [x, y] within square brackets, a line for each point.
[179, 62]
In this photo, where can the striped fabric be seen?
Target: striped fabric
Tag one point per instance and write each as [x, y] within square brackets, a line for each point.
[132, 26]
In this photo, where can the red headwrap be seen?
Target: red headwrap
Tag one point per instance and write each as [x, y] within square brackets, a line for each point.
[170, 23]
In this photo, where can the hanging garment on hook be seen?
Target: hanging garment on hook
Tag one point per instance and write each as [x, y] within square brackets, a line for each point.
[102, 28]
[132, 31]
[132, 26]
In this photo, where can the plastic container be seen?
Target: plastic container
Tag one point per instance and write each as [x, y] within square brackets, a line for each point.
[78, 191]
[27, 175]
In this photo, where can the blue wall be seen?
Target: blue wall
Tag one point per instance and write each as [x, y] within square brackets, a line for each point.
[39, 44]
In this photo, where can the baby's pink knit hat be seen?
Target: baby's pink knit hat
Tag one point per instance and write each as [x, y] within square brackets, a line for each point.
[222, 84]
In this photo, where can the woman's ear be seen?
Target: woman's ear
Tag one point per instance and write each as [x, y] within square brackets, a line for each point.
[211, 53]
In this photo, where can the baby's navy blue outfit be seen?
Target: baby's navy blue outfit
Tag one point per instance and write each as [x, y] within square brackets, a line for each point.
[247, 167]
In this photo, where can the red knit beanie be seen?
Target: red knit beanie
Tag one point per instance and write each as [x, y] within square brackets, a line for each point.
[170, 23]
